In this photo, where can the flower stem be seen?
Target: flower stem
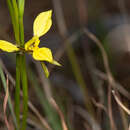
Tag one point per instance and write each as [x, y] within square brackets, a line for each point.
[10, 7]
[23, 65]
[13, 9]
[16, 9]
[21, 26]
[25, 92]
[17, 90]
[16, 18]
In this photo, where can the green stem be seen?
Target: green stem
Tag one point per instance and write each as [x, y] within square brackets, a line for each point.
[21, 26]
[18, 64]
[16, 9]
[10, 7]
[16, 12]
[23, 65]
[16, 16]
[21, 32]
[13, 9]
[25, 92]
[17, 90]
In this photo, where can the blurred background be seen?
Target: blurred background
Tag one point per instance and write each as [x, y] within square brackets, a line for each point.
[81, 87]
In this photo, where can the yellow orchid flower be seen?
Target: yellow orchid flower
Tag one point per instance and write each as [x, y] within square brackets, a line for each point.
[41, 25]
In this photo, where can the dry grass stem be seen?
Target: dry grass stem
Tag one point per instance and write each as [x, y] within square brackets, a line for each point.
[115, 84]
[112, 123]
[99, 105]
[88, 118]
[53, 103]
[120, 103]
[43, 121]
[5, 105]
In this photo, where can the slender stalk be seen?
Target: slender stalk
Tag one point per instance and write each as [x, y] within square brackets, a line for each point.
[16, 12]
[23, 65]
[13, 9]
[10, 7]
[21, 26]
[16, 17]
[21, 32]
[25, 92]
[17, 90]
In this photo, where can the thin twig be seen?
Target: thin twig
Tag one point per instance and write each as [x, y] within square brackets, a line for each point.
[83, 113]
[120, 103]
[64, 126]
[115, 84]
[44, 122]
[104, 55]
[99, 105]
[112, 123]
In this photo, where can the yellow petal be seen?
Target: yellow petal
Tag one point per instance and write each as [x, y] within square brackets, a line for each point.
[56, 63]
[32, 43]
[45, 69]
[28, 44]
[7, 46]
[43, 54]
[42, 23]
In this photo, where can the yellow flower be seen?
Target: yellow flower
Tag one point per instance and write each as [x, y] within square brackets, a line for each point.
[41, 25]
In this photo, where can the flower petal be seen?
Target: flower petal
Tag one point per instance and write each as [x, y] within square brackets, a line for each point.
[56, 63]
[32, 44]
[7, 46]
[45, 69]
[42, 23]
[43, 54]
[28, 44]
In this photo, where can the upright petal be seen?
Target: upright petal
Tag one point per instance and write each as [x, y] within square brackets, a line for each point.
[7, 46]
[42, 23]
[43, 54]
[28, 44]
